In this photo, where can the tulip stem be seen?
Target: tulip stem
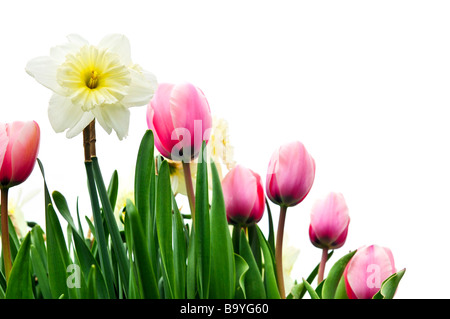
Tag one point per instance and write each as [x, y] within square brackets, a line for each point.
[323, 261]
[5, 233]
[279, 251]
[189, 188]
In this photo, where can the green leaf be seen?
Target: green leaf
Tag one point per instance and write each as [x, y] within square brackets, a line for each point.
[270, 281]
[63, 208]
[144, 163]
[202, 228]
[164, 228]
[191, 270]
[113, 188]
[241, 270]
[180, 251]
[271, 237]
[41, 273]
[99, 231]
[19, 284]
[310, 290]
[222, 256]
[92, 283]
[254, 286]
[57, 255]
[389, 286]
[334, 276]
[341, 292]
[87, 261]
[116, 239]
[141, 254]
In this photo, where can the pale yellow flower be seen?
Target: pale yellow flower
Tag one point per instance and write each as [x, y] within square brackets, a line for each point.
[290, 255]
[90, 82]
[218, 149]
[16, 212]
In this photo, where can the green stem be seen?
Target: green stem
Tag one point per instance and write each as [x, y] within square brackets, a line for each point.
[236, 238]
[279, 251]
[323, 261]
[189, 188]
[5, 233]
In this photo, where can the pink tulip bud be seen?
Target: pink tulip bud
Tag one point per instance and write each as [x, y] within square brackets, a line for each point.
[244, 196]
[329, 222]
[19, 145]
[290, 175]
[367, 270]
[180, 118]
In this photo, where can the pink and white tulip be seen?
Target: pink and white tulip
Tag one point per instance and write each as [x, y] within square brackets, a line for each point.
[180, 118]
[19, 145]
[244, 196]
[329, 222]
[290, 175]
[367, 270]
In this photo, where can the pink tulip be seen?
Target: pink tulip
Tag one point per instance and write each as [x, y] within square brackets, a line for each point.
[367, 270]
[244, 196]
[329, 222]
[290, 175]
[19, 145]
[180, 118]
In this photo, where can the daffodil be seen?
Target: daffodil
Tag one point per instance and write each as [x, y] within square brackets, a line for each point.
[92, 82]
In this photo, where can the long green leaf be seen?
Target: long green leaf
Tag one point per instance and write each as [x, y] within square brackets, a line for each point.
[57, 255]
[116, 239]
[164, 228]
[270, 281]
[202, 228]
[141, 254]
[19, 284]
[113, 188]
[254, 286]
[63, 208]
[40, 272]
[144, 163]
[334, 276]
[87, 260]
[222, 256]
[99, 231]
[180, 251]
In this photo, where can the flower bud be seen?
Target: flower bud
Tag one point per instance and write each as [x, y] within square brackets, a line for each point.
[329, 222]
[290, 175]
[180, 118]
[367, 270]
[244, 196]
[19, 145]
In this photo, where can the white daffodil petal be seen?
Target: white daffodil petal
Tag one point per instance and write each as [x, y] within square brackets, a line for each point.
[141, 90]
[43, 69]
[118, 44]
[77, 40]
[87, 118]
[62, 113]
[101, 120]
[118, 117]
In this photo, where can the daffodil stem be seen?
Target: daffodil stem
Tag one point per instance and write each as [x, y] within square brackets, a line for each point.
[279, 251]
[323, 261]
[189, 188]
[89, 141]
[5, 233]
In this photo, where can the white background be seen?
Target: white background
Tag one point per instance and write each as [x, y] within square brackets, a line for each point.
[363, 84]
